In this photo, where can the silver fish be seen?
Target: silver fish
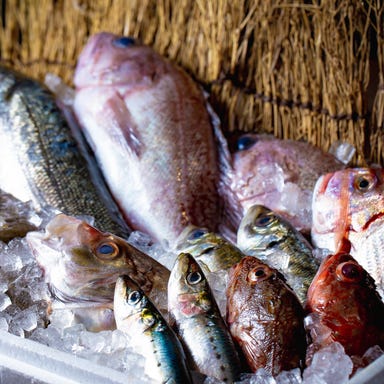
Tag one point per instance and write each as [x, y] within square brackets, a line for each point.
[137, 316]
[46, 159]
[211, 250]
[198, 322]
[268, 236]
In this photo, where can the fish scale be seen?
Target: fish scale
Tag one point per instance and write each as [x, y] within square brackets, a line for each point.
[55, 170]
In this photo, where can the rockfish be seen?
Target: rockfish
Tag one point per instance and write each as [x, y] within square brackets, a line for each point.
[196, 318]
[81, 265]
[279, 174]
[41, 160]
[148, 125]
[271, 238]
[265, 317]
[346, 305]
[348, 216]
[138, 317]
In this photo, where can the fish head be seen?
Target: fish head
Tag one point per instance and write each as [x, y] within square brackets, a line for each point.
[249, 280]
[109, 59]
[346, 201]
[188, 290]
[132, 308]
[259, 228]
[194, 240]
[338, 287]
[80, 262]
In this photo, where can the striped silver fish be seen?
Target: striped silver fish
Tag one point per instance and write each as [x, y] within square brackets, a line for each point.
[269, 237]
[42, 160]
[196, 318]
[212, 251]
[137, 317]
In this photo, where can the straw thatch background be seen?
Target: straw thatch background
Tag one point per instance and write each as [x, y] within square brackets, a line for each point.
[299, 69]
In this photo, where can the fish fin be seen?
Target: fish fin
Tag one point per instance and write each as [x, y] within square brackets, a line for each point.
[122, 127]
[252, 349]
[232, 211]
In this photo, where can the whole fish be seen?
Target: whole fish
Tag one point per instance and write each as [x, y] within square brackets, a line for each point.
[148, 124]
[279, 174]
[347, 306]
[268, 236]
[196, 318]
[45, 164]
[265, 317]
[211, 250]
[81, 265]
[138, 317]
[348, 216]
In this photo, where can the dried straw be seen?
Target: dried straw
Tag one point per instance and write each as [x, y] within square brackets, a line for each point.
[298, 69]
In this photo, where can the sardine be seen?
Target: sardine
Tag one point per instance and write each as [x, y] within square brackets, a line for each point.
[81, 264]
[138, 317]
[265, 317]
[50, 164]
[148, 124]
[279, 174]
[211, 250]
[348, 216]
[196, 318]
[268, 236]
[346, 305]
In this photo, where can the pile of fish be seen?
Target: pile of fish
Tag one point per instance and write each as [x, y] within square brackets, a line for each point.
[264, 257]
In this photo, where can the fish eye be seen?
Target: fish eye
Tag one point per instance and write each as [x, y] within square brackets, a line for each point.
[349, 271]
[194, 278]
[259, 274]
[264, 220]
[134, 297]
[107, 250]
[245, 142]
[196, 234]
[123, 42]
[365, 182]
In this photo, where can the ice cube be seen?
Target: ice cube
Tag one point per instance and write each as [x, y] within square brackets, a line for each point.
[261, 376]
[5, 301]
[50, 336]
[26, 319]
[3, 324]
[289, 377]
[329, 365]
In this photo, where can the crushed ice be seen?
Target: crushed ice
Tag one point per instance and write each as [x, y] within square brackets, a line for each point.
[23, 312]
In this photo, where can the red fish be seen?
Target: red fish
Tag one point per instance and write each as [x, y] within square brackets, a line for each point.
[348, 216]
[347, 307]
[265, 317]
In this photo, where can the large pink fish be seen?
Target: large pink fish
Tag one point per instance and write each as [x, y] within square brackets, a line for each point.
[279, 174]
[148, 125]
[348, 216]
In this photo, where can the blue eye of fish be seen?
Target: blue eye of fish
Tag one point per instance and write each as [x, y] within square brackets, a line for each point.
[107, 250]
[197, 234]
[245, 142]
[124, 42]
[194, 277]
[263, 221]
[134, 297]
